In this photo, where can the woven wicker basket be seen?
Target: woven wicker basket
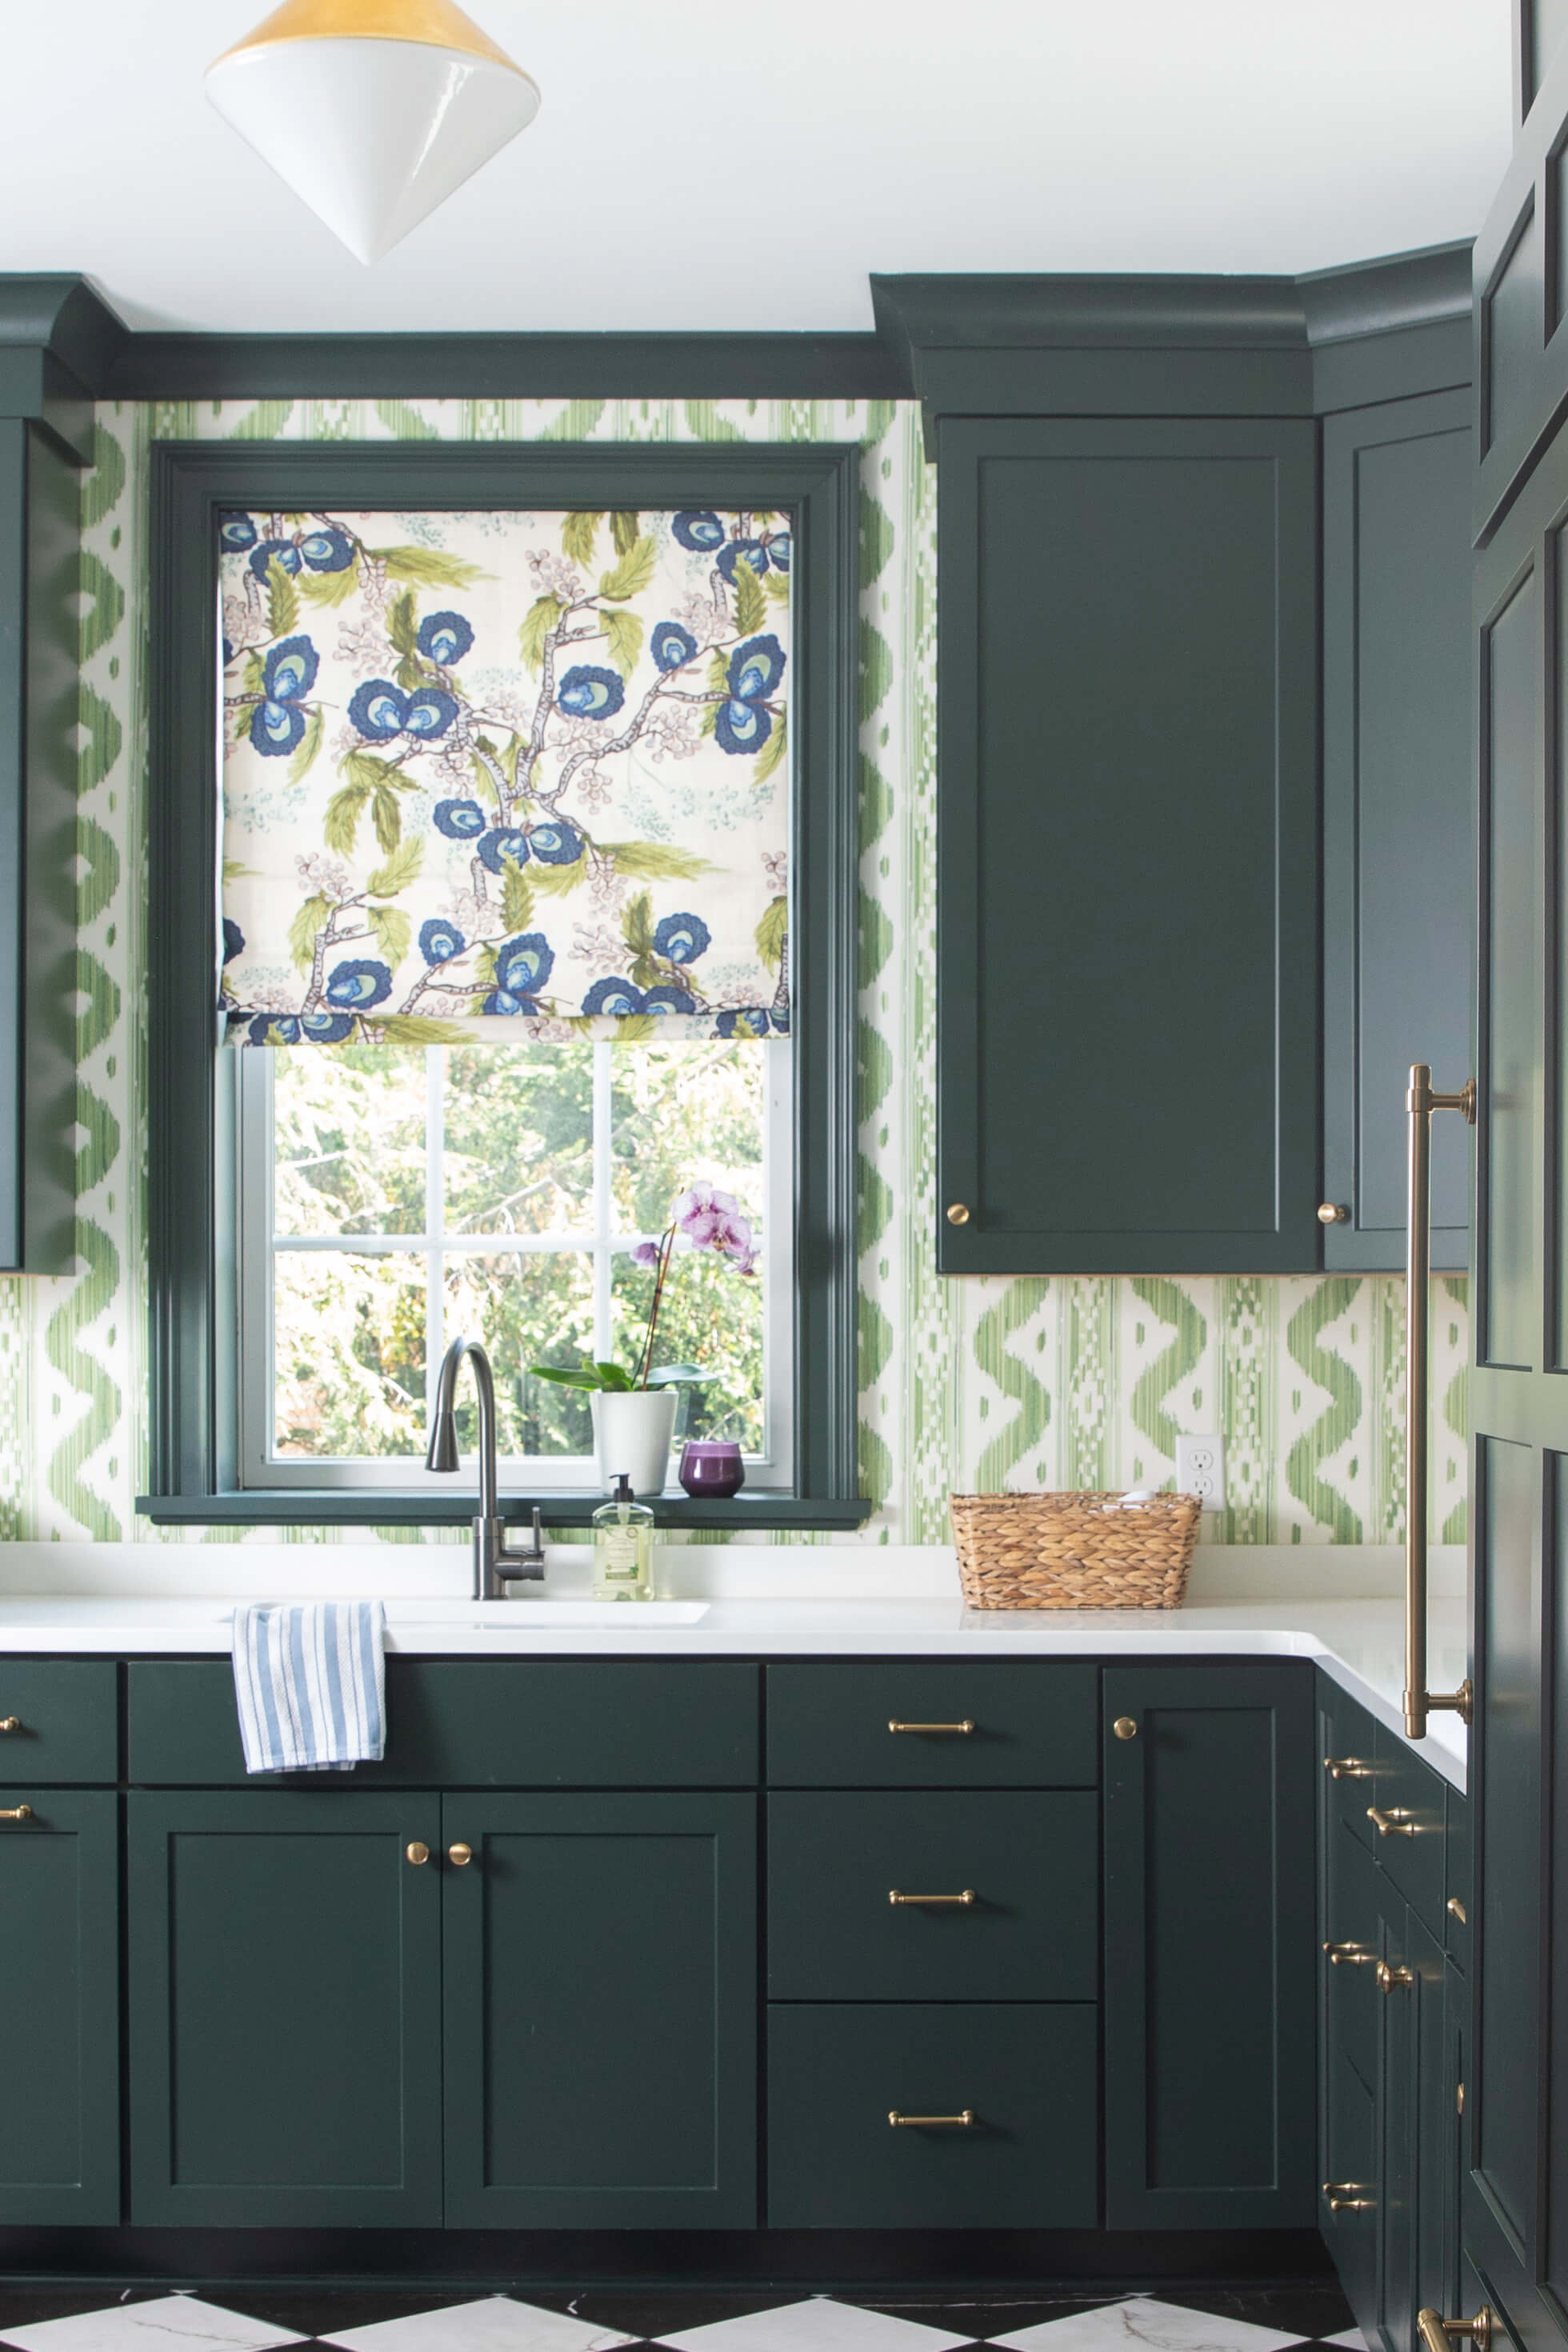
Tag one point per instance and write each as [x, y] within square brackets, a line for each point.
[1074, 1551]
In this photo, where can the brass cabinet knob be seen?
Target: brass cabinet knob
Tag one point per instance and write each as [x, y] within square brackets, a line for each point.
[1347, 2195]
[460, 1857]
[10, 1723]
[1458, 1911]
[1390, 1979]
[957, 1213]
[1333, 1212]
[1397, 1822]
[16, 1812]
[417, 1852]
[1347, 1767]
[1125, 1727]
[1349, 1956]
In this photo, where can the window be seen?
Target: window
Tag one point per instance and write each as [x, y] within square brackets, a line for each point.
[391, 1197]
[321, 1222]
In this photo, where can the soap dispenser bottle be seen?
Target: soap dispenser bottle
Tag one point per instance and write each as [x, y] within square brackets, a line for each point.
[623, 1547]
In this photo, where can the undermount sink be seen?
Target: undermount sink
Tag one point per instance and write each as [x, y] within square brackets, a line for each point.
[512, 1616]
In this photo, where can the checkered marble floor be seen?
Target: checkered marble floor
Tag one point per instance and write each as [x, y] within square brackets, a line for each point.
[223, 2319]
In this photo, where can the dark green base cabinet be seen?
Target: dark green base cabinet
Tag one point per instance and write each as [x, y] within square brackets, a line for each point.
[1393, 1924]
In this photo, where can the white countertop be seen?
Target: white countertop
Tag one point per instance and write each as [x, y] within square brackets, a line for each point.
[735, 1608]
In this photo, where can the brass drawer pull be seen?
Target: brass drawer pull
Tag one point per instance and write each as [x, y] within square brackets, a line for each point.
[1434, 2333]
[967, 2121]
[1398, 1822]
[1348, 2195]
[1457, 1911]
[460, 1857]
[1349, 1956]
[10, 1723]
[1391, 1979]
[965, 1727]
[932, 1901]
[1347, 1767]
[16, 1812]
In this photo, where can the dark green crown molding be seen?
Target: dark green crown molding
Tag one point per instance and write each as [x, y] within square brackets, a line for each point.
[1004, 344]
[988, 343]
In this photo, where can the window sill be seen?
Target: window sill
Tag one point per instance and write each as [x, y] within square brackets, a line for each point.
[572, 1508]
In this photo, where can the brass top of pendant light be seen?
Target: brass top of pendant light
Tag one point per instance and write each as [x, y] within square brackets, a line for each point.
[439, 24]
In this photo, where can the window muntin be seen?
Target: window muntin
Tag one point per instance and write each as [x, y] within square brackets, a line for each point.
[380, 1211]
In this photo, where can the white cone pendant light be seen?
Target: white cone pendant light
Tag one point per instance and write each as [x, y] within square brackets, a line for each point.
[371, 110]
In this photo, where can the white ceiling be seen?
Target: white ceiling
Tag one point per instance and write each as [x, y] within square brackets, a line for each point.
[701, 164]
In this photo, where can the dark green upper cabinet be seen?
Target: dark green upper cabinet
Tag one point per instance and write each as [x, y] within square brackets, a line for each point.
[1398, 834]
[1128, 845]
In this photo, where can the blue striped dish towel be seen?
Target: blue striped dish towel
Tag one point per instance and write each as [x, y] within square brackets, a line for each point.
[310, 1681]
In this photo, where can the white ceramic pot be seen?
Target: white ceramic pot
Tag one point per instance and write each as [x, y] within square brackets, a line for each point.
[632, 1432]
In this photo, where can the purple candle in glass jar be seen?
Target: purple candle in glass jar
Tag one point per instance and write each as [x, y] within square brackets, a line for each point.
[712, 1465]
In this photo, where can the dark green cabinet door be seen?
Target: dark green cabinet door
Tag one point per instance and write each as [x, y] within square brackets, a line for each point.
[1399, 828]
[59, 2008]
[1209, 1918]
[1128, 846]
[285, 1961]
[601, 2007]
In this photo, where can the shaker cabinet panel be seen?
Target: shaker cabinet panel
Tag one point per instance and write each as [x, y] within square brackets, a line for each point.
[1128, 846]
[1398, 829]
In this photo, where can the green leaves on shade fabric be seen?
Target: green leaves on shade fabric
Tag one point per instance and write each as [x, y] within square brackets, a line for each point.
[637, 924]
[484, 782]
[624, 531]
[578, 533]
[751, 604]
[254, 680]
[632, 573]
[560, 881]
[773, 750]
[401, 629]
[309, 744]
[537, 623]
[329, 588]
[400, 869]
[655, 861]
[427, 567]
[311, 917]
[386, 817]
[623, 636]
[516, 896]
[340, 826]
[776, 587]
[416, 1029]
[773, 933]
[392, 931]
[282, 603]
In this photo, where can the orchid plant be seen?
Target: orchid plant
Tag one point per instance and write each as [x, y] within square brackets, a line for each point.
[703, 1218]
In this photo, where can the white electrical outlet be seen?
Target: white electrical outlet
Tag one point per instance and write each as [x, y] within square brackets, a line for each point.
[1200, 1470]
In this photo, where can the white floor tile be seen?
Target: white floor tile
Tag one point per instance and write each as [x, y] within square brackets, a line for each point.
[497, 2324]
[167, 2320]
[1142, 2324]
[819, 2326]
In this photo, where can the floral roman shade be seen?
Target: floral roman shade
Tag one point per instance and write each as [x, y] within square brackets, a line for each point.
[516, 774]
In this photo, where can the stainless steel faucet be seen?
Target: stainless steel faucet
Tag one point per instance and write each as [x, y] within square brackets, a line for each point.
[495, 1564]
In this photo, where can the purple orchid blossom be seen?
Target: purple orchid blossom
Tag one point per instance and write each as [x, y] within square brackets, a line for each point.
[703, 1218]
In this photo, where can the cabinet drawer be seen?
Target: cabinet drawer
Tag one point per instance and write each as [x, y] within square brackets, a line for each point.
[490, 1723]
[1457, 1901]
[66, 1714]
[1034, 1724]
[1030, 1860]
[1347, 1756]
[1409, 1796]
[1351, 1925]
[1026, 2072]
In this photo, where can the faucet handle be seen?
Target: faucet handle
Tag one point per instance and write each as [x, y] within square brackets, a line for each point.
[528, 1562]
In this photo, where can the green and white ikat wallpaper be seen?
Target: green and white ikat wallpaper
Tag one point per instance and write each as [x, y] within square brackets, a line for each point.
[979, 1383]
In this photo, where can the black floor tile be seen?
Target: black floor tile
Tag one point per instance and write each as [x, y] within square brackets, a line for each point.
[1299, 2311]
[966, 2313]
[653, 2311]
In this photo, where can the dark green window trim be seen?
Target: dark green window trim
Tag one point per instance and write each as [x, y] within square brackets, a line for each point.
[192, 1467]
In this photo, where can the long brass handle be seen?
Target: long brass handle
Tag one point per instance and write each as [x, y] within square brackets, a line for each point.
[1392, 1979]
[963, 1727]
[1348, 2195]
[933, 1902]
[16, 1812]
[1347, 1767]
[964, 2121]
[1349, 1956]
[10, 1723]
[1436, 2334]
[1397, 1822]
[1420, 1102]
[460, 1857]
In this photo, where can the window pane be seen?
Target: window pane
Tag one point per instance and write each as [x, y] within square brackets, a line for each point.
[710, 1314]
[680, 1113]
[349, 1354]
[519, 1139]
[350, 1127]
[526, 1309]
